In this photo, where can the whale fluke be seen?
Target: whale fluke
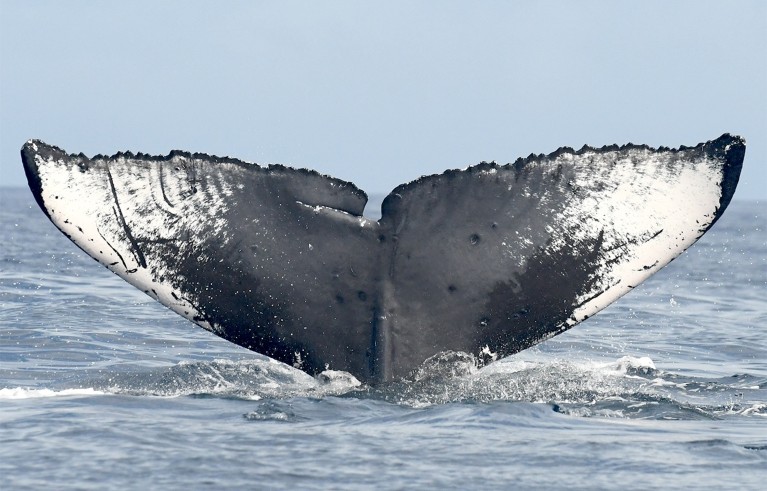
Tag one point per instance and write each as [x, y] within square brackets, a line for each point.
[488, 260]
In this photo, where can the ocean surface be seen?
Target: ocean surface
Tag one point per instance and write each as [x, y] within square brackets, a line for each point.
[102, 388]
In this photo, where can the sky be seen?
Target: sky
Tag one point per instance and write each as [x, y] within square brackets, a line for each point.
[380, 93]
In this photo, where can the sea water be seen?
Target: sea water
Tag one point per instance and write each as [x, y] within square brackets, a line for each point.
[102, 388]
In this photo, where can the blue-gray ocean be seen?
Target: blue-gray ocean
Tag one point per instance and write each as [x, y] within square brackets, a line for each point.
[102, 388]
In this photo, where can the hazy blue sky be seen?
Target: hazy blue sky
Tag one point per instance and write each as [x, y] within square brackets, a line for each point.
[381, 92]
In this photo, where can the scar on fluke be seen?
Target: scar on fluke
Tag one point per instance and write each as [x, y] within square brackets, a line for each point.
[491, 259]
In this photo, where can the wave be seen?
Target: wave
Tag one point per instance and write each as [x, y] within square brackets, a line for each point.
[628, 387]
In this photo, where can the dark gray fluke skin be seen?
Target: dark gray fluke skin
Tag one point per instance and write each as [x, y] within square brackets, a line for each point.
[488, 260]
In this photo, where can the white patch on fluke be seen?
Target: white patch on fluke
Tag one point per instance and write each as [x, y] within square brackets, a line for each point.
[647, 207]
[116, 208]
[656, 210]
[327, 210]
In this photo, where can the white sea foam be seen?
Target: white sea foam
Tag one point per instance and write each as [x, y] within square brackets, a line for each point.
[622, 366]
[627, 364]
[26, 393]
[759, 409]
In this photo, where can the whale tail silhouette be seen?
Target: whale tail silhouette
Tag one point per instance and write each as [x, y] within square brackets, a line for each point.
[488, 260]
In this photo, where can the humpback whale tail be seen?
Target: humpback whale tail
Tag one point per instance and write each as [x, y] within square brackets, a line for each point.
[491, 259]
